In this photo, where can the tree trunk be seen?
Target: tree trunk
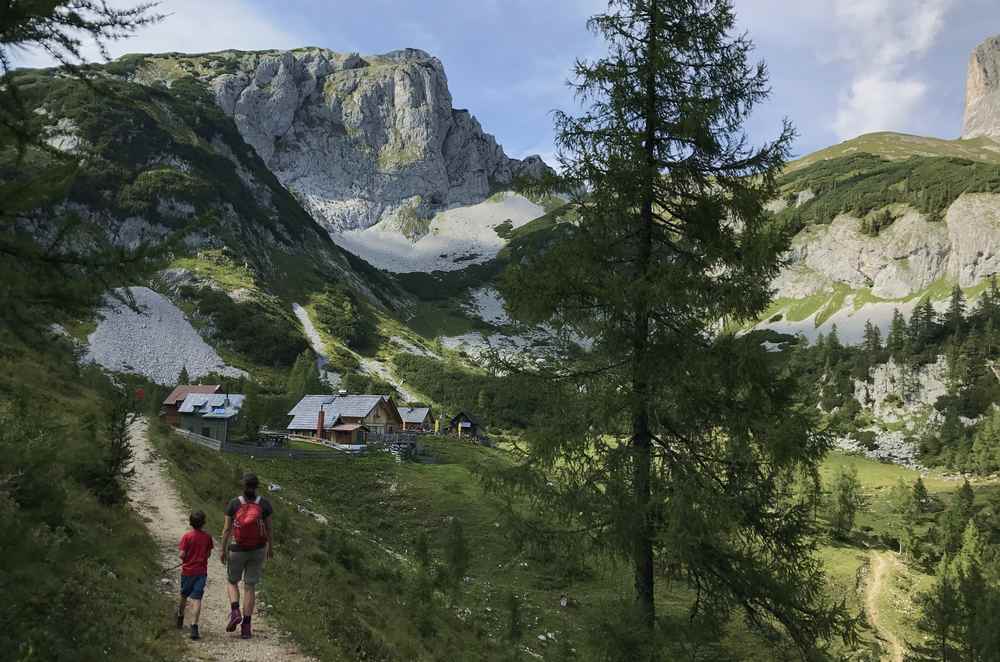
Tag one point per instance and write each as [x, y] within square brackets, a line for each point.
[641, 434]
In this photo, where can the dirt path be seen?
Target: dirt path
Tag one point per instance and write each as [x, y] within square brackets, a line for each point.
[155, 498]
[882, 565]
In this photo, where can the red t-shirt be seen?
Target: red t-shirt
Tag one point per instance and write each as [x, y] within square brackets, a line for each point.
[197, 546]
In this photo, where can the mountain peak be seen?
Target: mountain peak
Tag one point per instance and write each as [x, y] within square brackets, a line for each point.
[982, 93]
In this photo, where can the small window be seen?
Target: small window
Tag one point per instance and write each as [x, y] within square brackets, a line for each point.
[206, 432]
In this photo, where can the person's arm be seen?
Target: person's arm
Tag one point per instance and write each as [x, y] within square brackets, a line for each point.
[270, 537]
[182, 550]
[227, 530]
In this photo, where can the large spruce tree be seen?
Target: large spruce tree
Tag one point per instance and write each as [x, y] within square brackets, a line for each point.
[671, 441]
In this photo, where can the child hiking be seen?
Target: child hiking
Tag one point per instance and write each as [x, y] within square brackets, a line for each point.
[195, 548]
[248, 523]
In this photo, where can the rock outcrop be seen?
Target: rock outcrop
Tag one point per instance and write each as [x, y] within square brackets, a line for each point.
[358, 139]
[982, 92]
[903, 259]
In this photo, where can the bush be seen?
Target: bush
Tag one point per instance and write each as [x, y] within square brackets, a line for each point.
[348, 319]
[249, 328]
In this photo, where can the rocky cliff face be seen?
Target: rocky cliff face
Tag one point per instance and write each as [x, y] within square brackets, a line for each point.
[356, 139]
[982, 94]
[903, 259]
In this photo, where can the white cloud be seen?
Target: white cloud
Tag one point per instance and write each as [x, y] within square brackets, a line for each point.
[880, 40]
[192, 26]
[877, 103]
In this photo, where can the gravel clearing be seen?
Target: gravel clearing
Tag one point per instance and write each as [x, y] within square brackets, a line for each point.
[156, 343]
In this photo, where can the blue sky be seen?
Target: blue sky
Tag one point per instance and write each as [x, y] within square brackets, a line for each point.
[838, 67]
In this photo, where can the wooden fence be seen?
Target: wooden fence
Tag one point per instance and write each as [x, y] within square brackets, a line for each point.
[207, 442]
[400, 444]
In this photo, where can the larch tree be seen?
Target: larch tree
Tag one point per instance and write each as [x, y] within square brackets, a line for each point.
[669, 440]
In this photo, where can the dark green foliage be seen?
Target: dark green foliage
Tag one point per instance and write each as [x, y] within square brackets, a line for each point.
[112, 468]
[75, 572]
[504, 402]
[874, 224]
[515, 621]
[846, 500]
[184, 377]
[456, 551]
[862, 184]
[347, 318]
[304, 377]
[249, 328]
[670, 444]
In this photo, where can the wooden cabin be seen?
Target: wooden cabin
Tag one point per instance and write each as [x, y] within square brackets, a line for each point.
[463, 425]
[343, 418]
[417, 419]
[172, 404]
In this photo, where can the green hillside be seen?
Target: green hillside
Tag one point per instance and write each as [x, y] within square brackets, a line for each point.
[895, 146]
[351, 588]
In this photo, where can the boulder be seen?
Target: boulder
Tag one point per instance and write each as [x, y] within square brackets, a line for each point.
[982, 92]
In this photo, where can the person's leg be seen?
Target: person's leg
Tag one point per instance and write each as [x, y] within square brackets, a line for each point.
[249, 599]
[234, 572]
[195, 611]
[180, 611]
[254, 566]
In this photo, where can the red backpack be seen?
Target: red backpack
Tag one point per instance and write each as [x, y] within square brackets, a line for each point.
[248, 524]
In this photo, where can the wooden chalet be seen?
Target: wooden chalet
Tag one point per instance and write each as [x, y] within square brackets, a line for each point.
[345, 419]
[171, 406]
[417, 419]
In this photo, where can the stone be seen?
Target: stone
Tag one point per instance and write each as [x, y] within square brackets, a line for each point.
[363, 139]
[982, 92]
[904, 259]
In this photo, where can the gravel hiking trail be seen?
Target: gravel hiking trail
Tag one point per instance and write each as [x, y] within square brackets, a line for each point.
[155, 498]
[882, 566]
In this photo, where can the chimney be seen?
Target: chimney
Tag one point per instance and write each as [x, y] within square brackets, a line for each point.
[320, 420]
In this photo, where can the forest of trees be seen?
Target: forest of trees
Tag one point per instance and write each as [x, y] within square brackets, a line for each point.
[967, 336]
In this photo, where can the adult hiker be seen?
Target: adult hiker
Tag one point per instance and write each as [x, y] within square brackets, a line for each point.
[248, 522]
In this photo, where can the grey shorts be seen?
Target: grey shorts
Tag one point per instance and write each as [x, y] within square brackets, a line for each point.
[246, 566]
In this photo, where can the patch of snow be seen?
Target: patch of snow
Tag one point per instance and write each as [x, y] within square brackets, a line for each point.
[457, 238]
[156, 342]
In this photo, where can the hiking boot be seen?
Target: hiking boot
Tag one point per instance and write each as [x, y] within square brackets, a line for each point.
[235, 618]
[180, 619]
[194, 633]
[245, 629]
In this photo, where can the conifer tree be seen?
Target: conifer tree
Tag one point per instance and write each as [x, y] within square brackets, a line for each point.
[897, 340]
[872, 339]
[671, 442]
[183, 377]
[846, 500]
[921, 499]
[954, 316]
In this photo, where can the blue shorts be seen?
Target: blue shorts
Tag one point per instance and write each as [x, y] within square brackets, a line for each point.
[193, 586]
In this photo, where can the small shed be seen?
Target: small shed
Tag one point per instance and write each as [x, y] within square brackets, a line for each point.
[172, 404]
[463, 425]
[212, 415]
[417, 419]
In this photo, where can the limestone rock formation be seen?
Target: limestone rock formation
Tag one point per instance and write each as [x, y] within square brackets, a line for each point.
[360, 139]
[907, 257]
[982, 93]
